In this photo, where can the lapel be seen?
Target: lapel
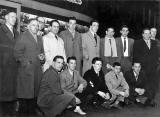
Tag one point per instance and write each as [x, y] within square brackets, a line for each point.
[145, 45]
[31, 38]
[133, 77]
[92, 38]
[69, 34]
[120, 51]
[8, 32]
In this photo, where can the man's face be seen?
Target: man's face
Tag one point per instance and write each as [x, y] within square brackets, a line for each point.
[136, 67]
[72, 24]
[94, 27]
[124, 32]
[58, 64]
[117, 69]
[72, 65]
[41, 22]
[11, 18]
[146, 34]
[153, 32]
[97, 66]
[33, 26]
[55, 28]
[110, 32]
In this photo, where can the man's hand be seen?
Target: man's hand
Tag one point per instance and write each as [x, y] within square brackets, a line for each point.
[141, 91]
[107, 96]
[102, 94]
[80, 88]
[122, 93]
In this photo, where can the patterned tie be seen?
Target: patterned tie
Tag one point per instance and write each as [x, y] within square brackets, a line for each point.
[124, 48]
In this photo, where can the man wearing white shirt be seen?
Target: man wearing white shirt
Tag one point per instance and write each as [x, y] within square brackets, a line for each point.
[53, 45]
[125, 49]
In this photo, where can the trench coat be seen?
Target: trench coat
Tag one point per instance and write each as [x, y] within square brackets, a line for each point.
[91, 49]
[52, 100]
[8, 64]
[73, 46]
[26, 52]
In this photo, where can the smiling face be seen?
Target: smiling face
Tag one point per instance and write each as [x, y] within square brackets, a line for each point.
[97, 66]
[72, 65]
[55, 28]
[136, 67]
[58, 64]
[146, 34]
[72, 24]
[94, 27]
[33, 26]
[124, 32]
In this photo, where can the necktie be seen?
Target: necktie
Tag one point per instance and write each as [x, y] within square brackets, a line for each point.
[111, 47]
[124, 46]
[116, 76]
[56, 37]
[136, 77]
[95, 37]
[148, 44]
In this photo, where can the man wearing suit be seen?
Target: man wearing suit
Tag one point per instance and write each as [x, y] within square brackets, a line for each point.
[96, 91]
[145, 51]
[72, 82]
[90, 45]
[26, 51]
[73, 42]
[108, 50]
[8, 64]
[136, 80]
[117, 85]
[125, 49]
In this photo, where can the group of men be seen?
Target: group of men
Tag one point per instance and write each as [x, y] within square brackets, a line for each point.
[31, 68]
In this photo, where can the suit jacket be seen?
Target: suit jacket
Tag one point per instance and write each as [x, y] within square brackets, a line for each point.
[120, 47]
[147, 57]
[8, 64]
[73, 46]
[95, 83]
[71, 83]
[26, 51]
[91, 49]
[133, 83]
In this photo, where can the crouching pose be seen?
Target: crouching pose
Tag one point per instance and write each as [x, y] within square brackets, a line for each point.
[52, 99]
[73, 83]
[117, 85]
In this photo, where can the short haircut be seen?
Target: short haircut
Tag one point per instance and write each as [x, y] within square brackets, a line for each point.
[95, 59]
[145, 29]
[116, 64]
[71, 58]
[32, 19]
[57, 57]
[51, 22]
[136, 62]
[94, 20]
[72, 18]
[110, 28]
[124, 26]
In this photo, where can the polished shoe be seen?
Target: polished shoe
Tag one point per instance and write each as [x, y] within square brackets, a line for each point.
[79, 110]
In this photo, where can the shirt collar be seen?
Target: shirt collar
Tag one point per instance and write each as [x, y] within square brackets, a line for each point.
[10, 27]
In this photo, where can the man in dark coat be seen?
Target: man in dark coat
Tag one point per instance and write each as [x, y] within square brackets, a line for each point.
[26, 51]
[8, 64]
[145, 51]
[96, 91]
[52, 99]
[136, 80]
[73, 42]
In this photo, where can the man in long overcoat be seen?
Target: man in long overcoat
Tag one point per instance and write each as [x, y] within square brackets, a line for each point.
[26, 52]
[8, 65]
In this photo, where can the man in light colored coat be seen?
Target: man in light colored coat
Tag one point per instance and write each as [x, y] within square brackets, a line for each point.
[90, 45]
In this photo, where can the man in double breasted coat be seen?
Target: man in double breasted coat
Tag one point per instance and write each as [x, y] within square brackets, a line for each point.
[26, 51]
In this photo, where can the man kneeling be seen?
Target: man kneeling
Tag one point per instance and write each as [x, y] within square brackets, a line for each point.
[52, 99]
[117, 85]
[73, 83]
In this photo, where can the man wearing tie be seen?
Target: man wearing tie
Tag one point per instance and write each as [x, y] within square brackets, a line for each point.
[90, 45]
[8, 64]
[125, 49]
[108, 50]
[145, 51]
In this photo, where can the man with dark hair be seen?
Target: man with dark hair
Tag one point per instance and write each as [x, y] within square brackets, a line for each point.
[125, 49]
[73, 42]
[90, 45]
[52, 99]
[136, 79]
[96, 91]
[117, 85]
[146, 52]
[26, 51]
[53, 45]
[8, 64]
[72, 82]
